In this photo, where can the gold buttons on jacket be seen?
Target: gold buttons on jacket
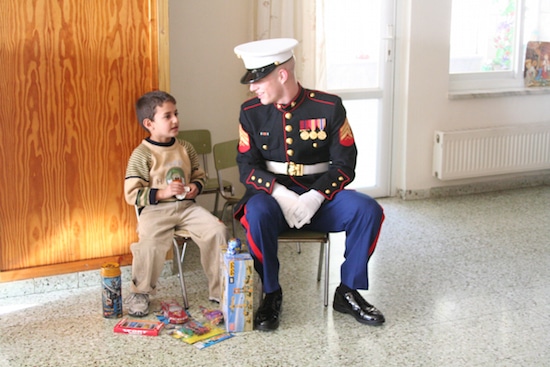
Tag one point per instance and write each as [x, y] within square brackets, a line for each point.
[334, 184]
[314, 145]
[293, 104]
[340, 178]
[312, 94]
[289, 141]
[327, 191]
[290, 152]
[288, 115]
[264, 147]
[288, 128]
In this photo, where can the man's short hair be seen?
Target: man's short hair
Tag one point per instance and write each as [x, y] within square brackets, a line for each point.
[147, 104]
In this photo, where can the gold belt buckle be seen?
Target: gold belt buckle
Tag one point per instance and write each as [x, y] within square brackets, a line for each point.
[295, 169]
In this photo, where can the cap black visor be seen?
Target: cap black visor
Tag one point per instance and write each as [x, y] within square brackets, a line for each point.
[254, 75]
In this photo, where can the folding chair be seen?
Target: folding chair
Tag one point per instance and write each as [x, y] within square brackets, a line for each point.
[300, 236]
[178, 256]
[202, 142]
[225, 157]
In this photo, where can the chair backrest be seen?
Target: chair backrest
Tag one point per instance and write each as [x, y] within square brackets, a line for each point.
[225, 156]
[201, 140]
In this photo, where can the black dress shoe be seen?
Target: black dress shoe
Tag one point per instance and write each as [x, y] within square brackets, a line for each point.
[267, 316]
[352, 303]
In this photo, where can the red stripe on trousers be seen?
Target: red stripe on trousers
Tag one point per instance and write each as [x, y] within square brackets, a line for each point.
[373, 246]
[251, 244]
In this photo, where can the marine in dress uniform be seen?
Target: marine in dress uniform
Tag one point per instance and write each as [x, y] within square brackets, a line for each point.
[296, 155]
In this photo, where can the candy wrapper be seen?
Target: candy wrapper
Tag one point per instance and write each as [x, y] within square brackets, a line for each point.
[193, 331]
[213, 316]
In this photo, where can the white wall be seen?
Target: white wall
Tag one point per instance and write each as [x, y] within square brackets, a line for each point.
[422, 104]
[205, 80]
[204, 71]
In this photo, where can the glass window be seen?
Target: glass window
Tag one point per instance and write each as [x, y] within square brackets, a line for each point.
[489, 40]
[352, 39]
[484, 39]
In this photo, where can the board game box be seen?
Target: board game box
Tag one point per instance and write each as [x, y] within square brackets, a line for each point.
[237, 291]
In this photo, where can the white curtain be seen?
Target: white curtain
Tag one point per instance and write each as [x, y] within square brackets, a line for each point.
[296, 19]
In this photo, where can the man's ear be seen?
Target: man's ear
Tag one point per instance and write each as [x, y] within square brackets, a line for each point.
[283, 75]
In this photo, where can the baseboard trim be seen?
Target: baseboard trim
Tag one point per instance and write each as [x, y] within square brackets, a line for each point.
[477, 188]
[59, 269]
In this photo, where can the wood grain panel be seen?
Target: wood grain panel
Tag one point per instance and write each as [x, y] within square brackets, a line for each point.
[70, 74]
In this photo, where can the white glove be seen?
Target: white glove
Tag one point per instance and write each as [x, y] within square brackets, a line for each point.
[288, 201]
[309, 203]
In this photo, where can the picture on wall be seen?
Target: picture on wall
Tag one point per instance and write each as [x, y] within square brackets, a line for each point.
[537, 64]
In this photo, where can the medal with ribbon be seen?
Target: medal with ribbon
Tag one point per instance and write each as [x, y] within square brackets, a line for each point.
[304, 134]
[322, 134]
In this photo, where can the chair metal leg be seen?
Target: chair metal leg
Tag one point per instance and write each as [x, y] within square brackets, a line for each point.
[233, 225]
[179, 256]
[327, 267]
[324, 249]
[222, 217]
[320, 267]
[216, 201]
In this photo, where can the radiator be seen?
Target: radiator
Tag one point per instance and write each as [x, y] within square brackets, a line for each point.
[491, 151]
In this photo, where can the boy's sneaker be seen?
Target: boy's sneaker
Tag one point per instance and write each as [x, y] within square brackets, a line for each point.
[138, 304]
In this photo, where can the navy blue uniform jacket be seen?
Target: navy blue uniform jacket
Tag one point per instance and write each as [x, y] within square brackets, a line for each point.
[278, 133]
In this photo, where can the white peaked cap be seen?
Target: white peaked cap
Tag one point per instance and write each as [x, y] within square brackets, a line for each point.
[261, 57]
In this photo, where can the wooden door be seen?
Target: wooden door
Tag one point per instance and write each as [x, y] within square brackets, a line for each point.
[70, 73]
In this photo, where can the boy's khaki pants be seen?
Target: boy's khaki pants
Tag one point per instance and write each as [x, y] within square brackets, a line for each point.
[156, 227]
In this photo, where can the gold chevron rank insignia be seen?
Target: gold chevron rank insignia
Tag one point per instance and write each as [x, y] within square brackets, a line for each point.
[244, 140]
[346, 135]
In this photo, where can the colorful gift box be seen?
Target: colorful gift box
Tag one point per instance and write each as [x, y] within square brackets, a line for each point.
[139, 327]
[237, 291]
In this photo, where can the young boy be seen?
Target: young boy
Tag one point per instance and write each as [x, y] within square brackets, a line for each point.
[163, 178]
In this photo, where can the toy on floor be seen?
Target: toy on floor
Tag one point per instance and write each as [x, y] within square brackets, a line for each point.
[139, 327]
[173, 312]
[212, 315]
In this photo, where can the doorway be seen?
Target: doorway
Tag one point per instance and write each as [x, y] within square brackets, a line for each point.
[358, 37]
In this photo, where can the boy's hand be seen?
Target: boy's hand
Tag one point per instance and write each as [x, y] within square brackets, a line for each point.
[174, 188]
[193, 191]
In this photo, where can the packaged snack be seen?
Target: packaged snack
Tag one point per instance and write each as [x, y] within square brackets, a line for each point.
[212, 315]
[195, 327]
[212, 340]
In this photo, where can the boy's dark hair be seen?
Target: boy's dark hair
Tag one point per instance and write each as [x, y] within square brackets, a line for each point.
[147, 104]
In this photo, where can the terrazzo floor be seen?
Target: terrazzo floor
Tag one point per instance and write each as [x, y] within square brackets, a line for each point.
[462, 281]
